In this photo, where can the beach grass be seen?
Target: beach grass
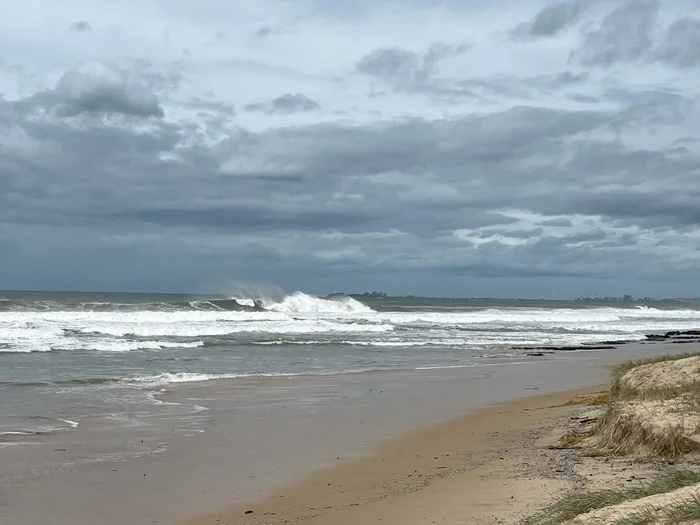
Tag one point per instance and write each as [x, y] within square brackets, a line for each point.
[599, 398]
[675, 513]
[618, 434]
[620, 391]
[573, 439]
[578, 503]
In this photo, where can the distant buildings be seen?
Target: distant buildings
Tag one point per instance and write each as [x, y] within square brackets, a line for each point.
[374, 293]
[611, 299]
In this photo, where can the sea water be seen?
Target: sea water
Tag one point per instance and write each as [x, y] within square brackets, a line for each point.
[64, 356]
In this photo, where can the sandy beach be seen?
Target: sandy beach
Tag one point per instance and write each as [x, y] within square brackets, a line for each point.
[501, 464]
[488, 467]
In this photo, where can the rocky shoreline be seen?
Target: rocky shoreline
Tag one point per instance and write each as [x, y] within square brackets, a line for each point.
[673, 337]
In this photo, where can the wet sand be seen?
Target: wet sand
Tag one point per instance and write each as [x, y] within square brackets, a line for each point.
[380, 440]
[485, 467]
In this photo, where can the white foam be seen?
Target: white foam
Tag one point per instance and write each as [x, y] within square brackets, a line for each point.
[193, 377]
[299, 302]
[178, 377]
[326, 320]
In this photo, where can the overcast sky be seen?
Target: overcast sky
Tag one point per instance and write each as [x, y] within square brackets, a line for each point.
[454, 147]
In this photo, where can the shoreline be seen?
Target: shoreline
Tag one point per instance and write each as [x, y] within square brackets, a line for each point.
[255, 445]
[462, 471]
[412, 479]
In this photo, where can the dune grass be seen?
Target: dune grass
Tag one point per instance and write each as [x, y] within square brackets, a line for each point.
[620, 391]
[578, 503]
[573, 439]
[677, 513]
[618, 433]
[599, 398]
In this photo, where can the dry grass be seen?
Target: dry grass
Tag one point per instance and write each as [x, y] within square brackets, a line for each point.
[573, 439]
[578, 503]
[674, 514]
[618, 433]
[599, 398]
[618, 390]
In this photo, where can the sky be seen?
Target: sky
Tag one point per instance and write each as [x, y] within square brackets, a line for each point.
[453, 148]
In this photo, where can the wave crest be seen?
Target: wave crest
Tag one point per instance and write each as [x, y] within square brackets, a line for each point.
[301, 303]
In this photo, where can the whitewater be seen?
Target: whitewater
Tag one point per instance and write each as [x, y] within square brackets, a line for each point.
[110, 351]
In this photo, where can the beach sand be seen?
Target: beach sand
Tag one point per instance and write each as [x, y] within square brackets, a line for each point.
[500, 464]
[492, 466]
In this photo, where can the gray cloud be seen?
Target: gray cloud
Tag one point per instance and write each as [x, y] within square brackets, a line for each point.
[513, 234]
[376, 199]
[266, 31]
[551, 20]
[80, 27]
[393, 64]
[625, 34]
[100, 87]
[557, 222]
[569, 77]
[681, 47]
[288, 103]
[292, 103]
[406, 69]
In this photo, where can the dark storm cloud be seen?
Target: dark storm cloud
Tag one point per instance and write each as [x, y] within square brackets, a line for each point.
[681, 45]
[80, 27]
[625, 34]
[100, 87]
[513, 234]
[106, 166]
[591, 235]
[279, 191]
[414, 145]
[557, 222]
[551, 20]
[249, 218]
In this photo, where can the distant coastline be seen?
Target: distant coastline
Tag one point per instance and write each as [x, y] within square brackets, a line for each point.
[626, 300]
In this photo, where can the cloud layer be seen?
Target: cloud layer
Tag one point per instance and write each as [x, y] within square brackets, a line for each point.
[534, 148]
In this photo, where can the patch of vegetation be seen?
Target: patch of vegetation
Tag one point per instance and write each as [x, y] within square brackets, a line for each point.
[617, 389]
[578, 503]
[684, 511]
[687, 392]
[599, 398]
[619, 433]
[676, 513]
[573, 439]
[647, 516]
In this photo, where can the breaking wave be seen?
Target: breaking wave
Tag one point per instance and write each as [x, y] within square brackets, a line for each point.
[302, 303]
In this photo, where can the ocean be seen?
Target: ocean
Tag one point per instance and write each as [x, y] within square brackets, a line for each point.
[66, 356]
